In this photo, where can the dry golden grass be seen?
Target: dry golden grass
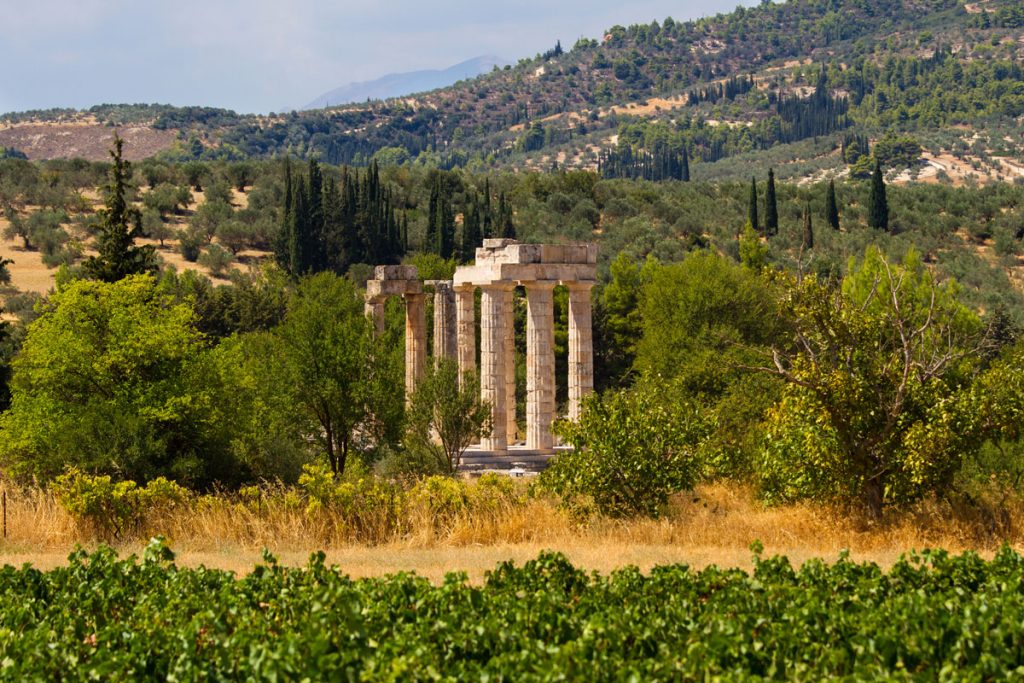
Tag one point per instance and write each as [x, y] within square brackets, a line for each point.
[714, 525]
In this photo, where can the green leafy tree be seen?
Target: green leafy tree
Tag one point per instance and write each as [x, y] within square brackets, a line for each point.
[621, 311]
[446, 415]
[878, 205]
[878, 406]
[831, 206]
[113, 378]
[753, 251]
[632, 449]
[771, 209]
[119, 224]
[326, 344]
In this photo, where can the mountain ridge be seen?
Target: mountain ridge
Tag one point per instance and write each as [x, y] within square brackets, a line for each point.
[405, 83]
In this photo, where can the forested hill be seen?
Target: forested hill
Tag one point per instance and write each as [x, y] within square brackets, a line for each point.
[636, 99]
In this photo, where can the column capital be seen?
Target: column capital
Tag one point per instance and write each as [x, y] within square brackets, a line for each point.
[580, 285]
[539, 285]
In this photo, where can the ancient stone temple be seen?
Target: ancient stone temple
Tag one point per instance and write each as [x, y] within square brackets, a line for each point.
[501, 266]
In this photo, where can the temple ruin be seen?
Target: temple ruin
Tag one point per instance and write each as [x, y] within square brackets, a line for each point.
[501, 265]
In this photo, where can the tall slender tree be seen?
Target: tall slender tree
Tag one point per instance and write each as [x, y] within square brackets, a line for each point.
[878, 204]
[771, 209]
[685, 173]
[808, 234]
[752, 206]
[831, 206]
[118, 226]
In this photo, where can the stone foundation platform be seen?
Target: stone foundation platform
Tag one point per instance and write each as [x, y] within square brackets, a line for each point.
[517, 461]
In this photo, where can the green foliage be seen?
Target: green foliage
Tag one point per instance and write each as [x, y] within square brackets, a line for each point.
[771, 209]
[329, 358]
[111, 508]
[632, 449]
[753, 250]
[113, 379]
[446, 414]
[878, 204]
[928, 616]
[878, 407]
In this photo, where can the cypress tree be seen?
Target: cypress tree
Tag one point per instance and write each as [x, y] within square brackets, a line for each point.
[505, 224]
[831, 207]
[314, 251]
[808, 238]
[430, 242]
[119, 224]
[283, 244]
[299, 244]
[771, 210]
[685, 172]
[752, 206]
[878, 205]
[486, 219]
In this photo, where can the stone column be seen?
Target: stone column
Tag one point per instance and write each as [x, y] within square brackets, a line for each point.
[581, 345]
[375, 311]
[540, 365]
[510, 364]
[415, 341]
[492, 362]
[465, 329]
[444, 320]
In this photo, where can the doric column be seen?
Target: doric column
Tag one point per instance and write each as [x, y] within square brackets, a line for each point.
[444, 320]
[375, 311]
[581, 345]
[510, 364]
[540, 365]
[465, 329]
[415, 341]
[493, 304]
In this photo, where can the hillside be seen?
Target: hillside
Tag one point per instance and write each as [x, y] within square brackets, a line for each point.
[756, 80]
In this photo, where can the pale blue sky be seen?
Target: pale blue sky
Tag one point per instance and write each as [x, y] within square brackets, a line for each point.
[275, 55]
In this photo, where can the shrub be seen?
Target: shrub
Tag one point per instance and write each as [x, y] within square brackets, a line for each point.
[631, 451]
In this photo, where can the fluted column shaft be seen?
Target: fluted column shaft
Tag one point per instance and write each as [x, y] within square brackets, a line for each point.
[581, 345]
[540, 365]
[493, 379]
[415, 341]
[444, 321]
[465, 326]
[509, 323]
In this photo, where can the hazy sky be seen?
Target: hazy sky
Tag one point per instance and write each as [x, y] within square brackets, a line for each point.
[275, 55]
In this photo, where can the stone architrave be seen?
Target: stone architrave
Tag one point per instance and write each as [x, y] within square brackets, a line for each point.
[540, 365]
[581, 345]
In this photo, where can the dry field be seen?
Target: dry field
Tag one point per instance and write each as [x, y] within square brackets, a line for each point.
[84, 139]
[714, 525]
[30, 274]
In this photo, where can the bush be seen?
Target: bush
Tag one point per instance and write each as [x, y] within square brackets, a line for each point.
[631, 451]
[112, 508]
[190, 244]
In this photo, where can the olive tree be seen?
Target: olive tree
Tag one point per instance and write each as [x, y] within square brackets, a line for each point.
[878, 406]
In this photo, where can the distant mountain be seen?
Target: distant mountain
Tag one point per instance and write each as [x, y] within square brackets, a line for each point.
[397, 85]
